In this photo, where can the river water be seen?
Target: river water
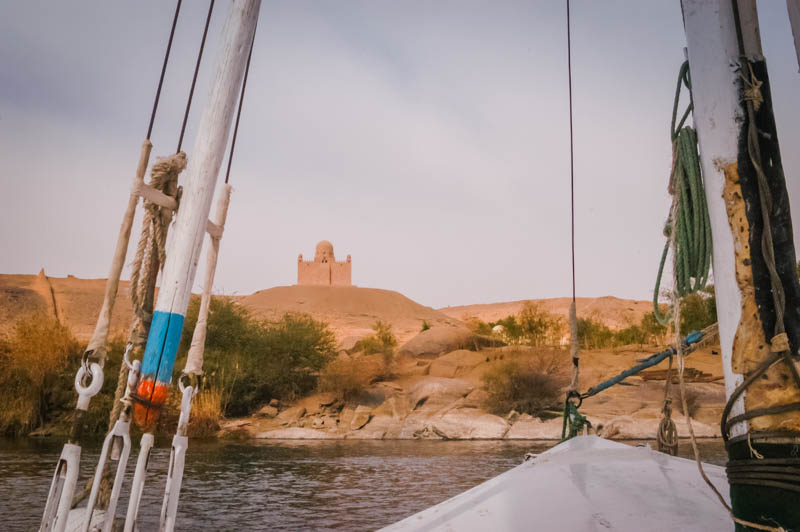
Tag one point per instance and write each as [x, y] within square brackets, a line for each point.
[298, 485]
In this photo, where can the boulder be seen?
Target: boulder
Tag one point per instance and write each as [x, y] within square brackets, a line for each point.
[476, 398]
[327, 399]
[375, 429]
[444, 339]
[350, 344]
[292, 414]
[455, 363]
[361, 417]
[267, 411]
[527, 427]
[640, 428]
[437, 392]
[469, 424]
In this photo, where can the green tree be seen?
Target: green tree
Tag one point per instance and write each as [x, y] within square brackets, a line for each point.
[511, 329]
[593, 334]
[653, 331]
[538, 327]
[698, 311]
[261, 360]
[381, 341]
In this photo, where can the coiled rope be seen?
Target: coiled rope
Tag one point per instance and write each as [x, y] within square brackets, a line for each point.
[688, 218]
[149, 260]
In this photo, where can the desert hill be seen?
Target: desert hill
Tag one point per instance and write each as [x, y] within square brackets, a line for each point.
[614, 312]
[349, 310]
[76, 302]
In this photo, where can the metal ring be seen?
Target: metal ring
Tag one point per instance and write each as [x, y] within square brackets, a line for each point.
[181, 385]
[579, 397]
[95, 380]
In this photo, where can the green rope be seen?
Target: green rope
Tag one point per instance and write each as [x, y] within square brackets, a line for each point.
[574, 420]
[691, 223]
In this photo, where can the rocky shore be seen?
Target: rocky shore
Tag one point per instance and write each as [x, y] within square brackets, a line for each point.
[441, 396]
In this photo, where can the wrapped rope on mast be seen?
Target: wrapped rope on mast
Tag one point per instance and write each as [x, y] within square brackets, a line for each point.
[756, 285]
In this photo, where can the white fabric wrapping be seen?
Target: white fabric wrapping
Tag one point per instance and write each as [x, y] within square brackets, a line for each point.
[574, 348]
[194, 360]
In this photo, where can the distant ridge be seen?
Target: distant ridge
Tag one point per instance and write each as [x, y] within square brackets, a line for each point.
[614, 312]
[350, 311]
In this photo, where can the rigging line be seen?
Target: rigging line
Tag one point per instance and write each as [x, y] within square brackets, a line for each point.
[163, 69]
[571, 154]
[194, 78]
[241, 100]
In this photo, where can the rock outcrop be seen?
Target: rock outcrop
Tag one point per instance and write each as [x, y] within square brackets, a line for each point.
[443, 339]
[448, 402]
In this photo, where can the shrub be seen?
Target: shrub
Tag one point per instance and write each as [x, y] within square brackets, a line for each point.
[698, 311]
[530, 387]
[512, 331]
[264, 360]
[652, 330]
[538, 327]
[594, 335]
[208, 408]
[382, 341]
[633, 334]
[34, 379]
[347, 377]
[425, 326]
[478, 326]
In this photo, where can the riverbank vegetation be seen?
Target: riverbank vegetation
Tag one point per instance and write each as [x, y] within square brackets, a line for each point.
[34, 381]
[535, 327]
[349, 375]
[531, 387]
[248, 362]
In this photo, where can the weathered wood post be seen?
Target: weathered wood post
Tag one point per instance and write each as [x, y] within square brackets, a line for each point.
[730, 88]
[184, 249]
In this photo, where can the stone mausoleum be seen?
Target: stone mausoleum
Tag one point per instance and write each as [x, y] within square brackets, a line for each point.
[324, 270]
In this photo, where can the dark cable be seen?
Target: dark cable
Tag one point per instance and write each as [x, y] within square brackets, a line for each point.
[571, 154]
[241, 100]
[194, 78]
[163, 69]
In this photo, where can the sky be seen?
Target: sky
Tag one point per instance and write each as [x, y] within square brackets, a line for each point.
[429, 140]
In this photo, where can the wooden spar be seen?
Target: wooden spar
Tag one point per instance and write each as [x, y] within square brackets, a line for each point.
[97, 344]
[745, 308]
[794, 18]
[183, 251]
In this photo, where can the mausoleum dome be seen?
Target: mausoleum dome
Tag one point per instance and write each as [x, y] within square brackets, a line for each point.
[324, 252]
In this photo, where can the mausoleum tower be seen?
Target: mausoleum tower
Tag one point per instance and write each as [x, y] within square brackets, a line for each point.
[324, 270]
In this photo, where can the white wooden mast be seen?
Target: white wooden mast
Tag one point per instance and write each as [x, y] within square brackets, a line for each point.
[713, 49]
[205, 160]
[747, 199]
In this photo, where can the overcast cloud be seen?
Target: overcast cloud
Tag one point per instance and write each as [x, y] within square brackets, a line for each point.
[429, 140]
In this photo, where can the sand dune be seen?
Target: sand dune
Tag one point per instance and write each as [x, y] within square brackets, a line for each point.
[350, 310]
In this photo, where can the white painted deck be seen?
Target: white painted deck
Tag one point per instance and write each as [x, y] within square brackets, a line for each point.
[586, 483]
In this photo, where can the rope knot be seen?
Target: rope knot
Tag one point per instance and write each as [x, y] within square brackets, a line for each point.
[152, 242]
[752, 88]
